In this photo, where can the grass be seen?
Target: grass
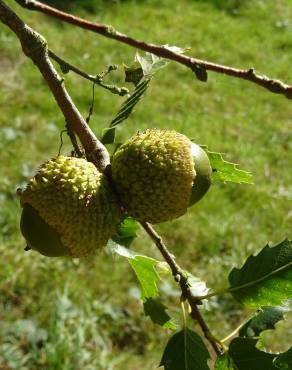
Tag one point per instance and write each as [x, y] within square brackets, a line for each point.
[63, 314]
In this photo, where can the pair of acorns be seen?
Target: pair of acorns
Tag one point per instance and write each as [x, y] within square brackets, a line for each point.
[70, 208]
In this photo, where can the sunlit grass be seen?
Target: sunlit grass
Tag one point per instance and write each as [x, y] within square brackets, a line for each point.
[250, 125]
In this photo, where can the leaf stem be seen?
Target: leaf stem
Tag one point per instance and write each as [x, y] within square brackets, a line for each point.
[183, 310]
[236, 330]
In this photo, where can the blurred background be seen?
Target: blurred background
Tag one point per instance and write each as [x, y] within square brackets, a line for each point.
[86, 314]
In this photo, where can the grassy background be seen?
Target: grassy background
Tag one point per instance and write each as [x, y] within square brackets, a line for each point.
[64, 314]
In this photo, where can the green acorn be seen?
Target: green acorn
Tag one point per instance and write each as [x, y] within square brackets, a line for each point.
[158, 174]
[68, 209]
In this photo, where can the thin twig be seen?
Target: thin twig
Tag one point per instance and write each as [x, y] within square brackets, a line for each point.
[66, 67]
[182, 279]
[98, 79]
[79, 152]
[35, 47]
[90, 113]
[273, 85]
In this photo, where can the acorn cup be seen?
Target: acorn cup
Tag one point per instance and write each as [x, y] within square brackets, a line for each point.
[69, 208]
[158, 174]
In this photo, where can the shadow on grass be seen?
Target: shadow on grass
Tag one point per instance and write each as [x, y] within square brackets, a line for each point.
[86, 5]
[229, 6]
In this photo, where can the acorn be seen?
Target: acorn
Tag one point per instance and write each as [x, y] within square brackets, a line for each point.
[158, 174]
[69, 208]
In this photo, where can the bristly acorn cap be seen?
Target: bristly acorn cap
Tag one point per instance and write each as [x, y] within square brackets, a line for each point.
[155, 175]
[68, 208]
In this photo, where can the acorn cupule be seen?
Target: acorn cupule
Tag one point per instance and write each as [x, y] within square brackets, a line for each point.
[69, 208]
[158, 174]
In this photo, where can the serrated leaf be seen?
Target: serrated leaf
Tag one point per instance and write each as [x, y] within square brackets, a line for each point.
[146, 273]
[284, 360]
[264, 319]
[264, 279]
[144, 268]
[226, 171]
[125, 110]
[185, 351]
[150, 63]
[246, 356]
[140, 75]
[154, 308]
[127, 232]
[224, 362]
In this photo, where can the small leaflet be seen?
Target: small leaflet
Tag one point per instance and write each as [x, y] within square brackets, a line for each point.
[226, 171]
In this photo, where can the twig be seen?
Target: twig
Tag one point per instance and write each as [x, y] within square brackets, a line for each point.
[35, 47]
[98, 79]
[66, 67]
[195, 64]
[182, 279]
[79, 152]
[90, 113]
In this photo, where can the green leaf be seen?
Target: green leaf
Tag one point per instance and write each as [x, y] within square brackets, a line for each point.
[125, 110]
[144, 268]
[224, 362]
[185, 351]
[140, 74]
[246, 356]
[150, 63]
[284, 360]
[264, 279]
[127, 232]
[264, 319]
[134, 74]
[226, 171]
[157, 312]
[108, 135]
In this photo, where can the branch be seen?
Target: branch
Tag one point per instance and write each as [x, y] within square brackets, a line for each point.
[275, 86]
[35, 47]
[182, 279]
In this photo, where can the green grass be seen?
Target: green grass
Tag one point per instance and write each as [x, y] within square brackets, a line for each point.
[63, 314]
